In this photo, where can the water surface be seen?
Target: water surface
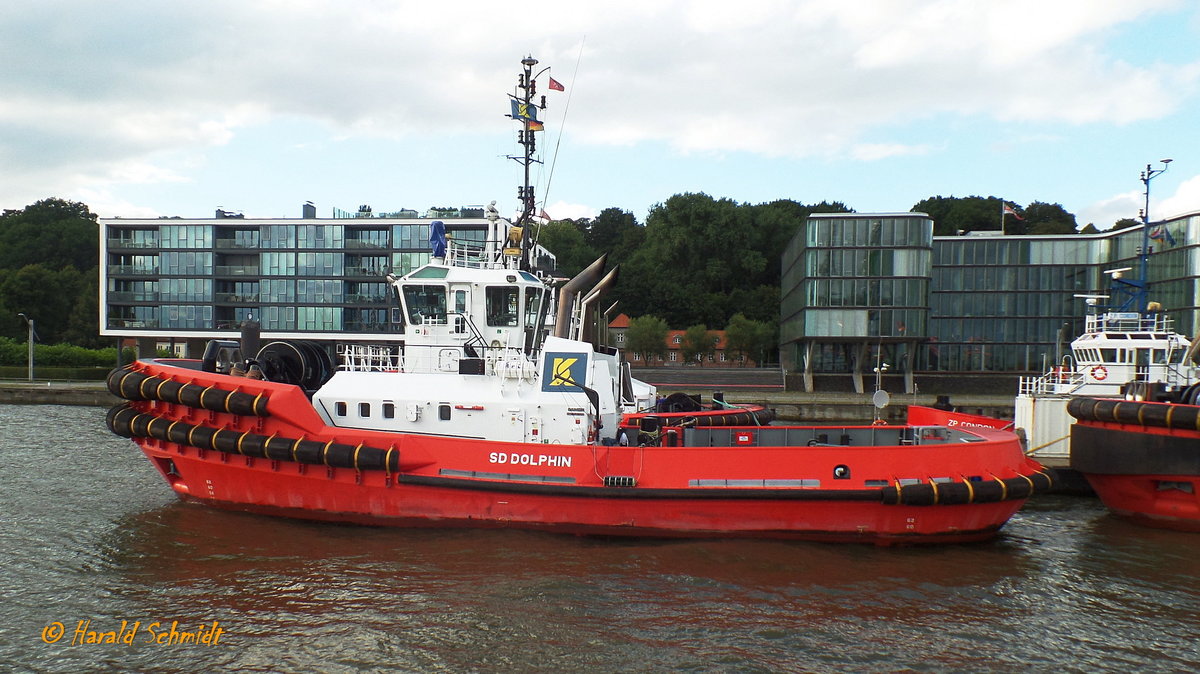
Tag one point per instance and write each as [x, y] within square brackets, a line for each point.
[90, 532]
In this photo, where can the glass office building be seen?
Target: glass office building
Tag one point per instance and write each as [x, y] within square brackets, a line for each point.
[981, 302]
[855, 292]
[188, 281]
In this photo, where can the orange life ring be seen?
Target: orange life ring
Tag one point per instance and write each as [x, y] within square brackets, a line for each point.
[1099, 372]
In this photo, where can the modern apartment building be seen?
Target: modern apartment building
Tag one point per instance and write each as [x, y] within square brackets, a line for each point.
[177, 283]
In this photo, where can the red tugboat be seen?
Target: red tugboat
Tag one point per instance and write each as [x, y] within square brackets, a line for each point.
[1142, 457]
[503, 410]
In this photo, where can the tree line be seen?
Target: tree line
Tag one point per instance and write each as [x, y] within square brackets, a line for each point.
[49, 271]
[697, 262]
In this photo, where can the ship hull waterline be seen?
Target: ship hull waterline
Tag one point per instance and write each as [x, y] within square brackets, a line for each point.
[259, 446]
[1141, 458]
[340, 495]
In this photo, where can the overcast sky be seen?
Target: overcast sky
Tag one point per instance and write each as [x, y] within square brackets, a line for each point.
[171, 108]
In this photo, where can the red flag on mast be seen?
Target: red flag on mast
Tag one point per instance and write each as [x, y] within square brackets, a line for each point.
[556, 85]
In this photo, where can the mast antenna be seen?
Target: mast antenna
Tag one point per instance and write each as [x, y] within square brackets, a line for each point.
[525, 110]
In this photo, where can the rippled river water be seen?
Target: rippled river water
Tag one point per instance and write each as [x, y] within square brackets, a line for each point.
[91, 533]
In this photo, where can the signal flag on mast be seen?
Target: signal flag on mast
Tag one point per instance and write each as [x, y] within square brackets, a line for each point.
[556, 85]
[525, 112]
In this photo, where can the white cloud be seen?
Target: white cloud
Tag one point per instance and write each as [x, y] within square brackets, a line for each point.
[1104, 213]
[94, 89]
[1186, 199]
[563, 210]
[104, 204]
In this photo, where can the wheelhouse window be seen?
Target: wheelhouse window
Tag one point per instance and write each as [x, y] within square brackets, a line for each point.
[460, 311]
[502, 306]
[425, 303]
[533, 298]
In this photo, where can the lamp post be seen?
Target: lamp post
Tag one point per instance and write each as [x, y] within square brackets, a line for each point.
[1144, 259]
[29, 322]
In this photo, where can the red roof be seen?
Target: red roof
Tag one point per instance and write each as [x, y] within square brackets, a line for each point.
[622, 321]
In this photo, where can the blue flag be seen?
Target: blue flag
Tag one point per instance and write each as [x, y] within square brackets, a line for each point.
[523, 111]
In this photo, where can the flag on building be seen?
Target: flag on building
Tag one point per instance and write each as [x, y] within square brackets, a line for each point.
[1161, 233]
[556, 85]
[1009, 210]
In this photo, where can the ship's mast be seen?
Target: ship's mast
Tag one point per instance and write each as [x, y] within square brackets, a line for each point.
[1144, 254]
[524, 110]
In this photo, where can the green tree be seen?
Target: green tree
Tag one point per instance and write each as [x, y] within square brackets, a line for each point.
[40, 293]
[1044, 218]
[568, 243]
[606, 233]
[1125, 222]
[759, 304]
[766, 334]
[698, 342]
[757, 340]
[42, 248]
[647, 335]
[83, 323]
[952, 215]
[702, 258]
[741, 338]
[52, 232]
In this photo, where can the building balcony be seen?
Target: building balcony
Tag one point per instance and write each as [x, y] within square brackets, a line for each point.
[114, 244]
[121, 297]
[130, 323]
[234, 243]
[376, 273]
[132, 270]
[235, 298]
[355, 244]
[373, 300]
[236, 270]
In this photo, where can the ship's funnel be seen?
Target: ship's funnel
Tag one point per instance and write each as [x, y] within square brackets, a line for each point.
[588, 327]
[570, 290]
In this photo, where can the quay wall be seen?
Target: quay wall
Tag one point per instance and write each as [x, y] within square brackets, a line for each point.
[90, 393]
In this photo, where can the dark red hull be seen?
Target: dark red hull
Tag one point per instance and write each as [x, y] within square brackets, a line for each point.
[1145, 500]
[1142, 459]
[287, 462]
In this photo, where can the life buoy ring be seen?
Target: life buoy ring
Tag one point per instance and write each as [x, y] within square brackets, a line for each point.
[1099, 372]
